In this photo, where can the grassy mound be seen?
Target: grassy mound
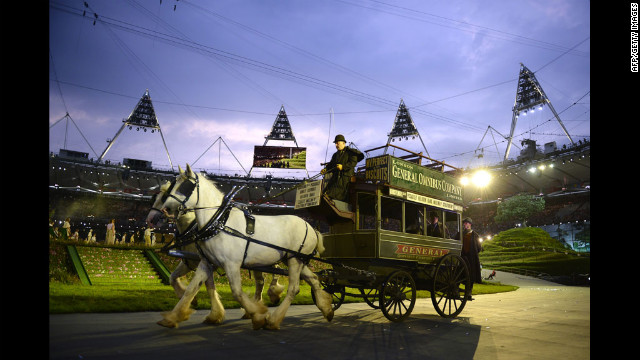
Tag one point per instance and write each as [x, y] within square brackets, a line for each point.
[532, 249]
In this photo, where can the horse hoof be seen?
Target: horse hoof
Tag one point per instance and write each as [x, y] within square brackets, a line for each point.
[270, 326]
[258, 324]
[273, 298]
[329, 316]
[245, 316]
[207, 320]
[259, 321]
[167, 323]
[274, 294]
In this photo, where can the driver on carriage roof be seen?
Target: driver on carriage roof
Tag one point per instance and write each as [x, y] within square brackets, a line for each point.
[342, 165]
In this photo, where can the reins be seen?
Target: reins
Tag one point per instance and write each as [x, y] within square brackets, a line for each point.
[260, 201]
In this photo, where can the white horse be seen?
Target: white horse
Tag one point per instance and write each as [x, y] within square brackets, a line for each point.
[183, 223]
[289, 234]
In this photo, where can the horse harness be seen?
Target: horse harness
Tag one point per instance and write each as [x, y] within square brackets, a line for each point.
[217, 223]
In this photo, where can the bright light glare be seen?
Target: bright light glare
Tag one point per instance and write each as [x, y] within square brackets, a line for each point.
[481, 178]
[464, 181]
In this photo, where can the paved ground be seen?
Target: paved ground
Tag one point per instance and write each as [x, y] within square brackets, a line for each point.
[541, 320]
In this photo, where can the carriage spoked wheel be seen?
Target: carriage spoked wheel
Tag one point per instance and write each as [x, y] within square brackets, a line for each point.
[337, 291]
[371, 297]
[451, 286]
[397, 296]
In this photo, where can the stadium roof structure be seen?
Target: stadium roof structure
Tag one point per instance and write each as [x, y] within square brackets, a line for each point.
[551, 174]
[81, 175]
[556, 172]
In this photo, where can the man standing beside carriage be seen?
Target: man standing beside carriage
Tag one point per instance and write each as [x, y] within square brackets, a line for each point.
[470, 248]
[342, 166]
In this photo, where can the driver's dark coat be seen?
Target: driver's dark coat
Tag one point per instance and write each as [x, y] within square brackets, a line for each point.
[337, 187]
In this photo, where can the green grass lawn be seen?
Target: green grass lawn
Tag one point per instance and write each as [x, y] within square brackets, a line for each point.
[522, 248]
[77, 298]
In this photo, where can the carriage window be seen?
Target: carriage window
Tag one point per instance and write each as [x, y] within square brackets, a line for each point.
[366, 211]
[391, 214]
[452, 220]
[435, 226]
[414, 218]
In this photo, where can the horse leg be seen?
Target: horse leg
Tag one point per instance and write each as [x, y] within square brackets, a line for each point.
[216, 316]
[274, 320]
[275, 289]
[178, 286]
[256, 309]
[257, 295]
[323, 298]
[182, 310]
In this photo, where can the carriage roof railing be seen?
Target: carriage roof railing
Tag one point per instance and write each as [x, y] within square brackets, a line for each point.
[407, 177]
[417, 157]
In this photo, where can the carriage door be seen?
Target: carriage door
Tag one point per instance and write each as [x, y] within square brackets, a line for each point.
[367, 211]
[452, 221]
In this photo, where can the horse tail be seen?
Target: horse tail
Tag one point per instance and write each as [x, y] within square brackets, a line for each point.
[320, 244]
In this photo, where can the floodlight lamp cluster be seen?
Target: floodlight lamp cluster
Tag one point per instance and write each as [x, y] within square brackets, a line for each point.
[143, 128]
[480, 178]
[533, 169]
[393, 139]
[531, 110]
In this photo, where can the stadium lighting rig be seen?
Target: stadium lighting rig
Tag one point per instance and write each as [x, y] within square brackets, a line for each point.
[480, 178]
[529, 96]
[403, 127]
[142, 117]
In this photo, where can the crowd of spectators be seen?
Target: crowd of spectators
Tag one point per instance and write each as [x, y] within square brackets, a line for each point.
[89, 214]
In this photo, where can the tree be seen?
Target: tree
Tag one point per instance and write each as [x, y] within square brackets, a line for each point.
[519, 208]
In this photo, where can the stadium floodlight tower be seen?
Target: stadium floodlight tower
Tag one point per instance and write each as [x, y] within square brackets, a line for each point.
[281, 129]
[143, 116]
[403, 127]
[529, 94]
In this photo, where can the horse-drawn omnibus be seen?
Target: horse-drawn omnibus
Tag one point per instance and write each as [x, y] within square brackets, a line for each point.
[382, 241]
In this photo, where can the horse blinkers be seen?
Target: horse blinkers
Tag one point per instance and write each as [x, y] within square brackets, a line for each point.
[185, 189]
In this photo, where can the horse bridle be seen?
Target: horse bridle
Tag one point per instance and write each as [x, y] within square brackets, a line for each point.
[185, 189]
